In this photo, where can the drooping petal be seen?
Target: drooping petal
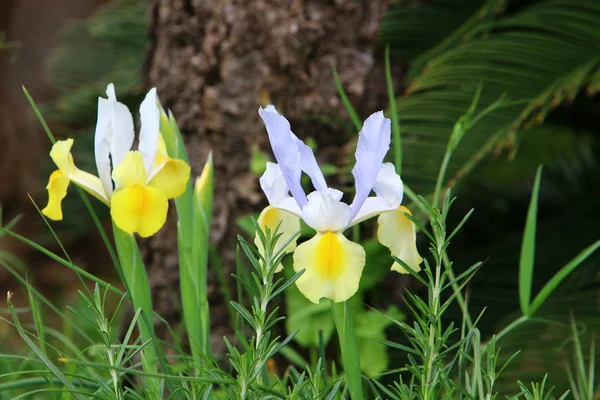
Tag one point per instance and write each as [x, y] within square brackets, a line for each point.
[57, 190]
[398, 233]
[271, 218]
[333, 266]
[172, 178]
[326, 212]
[61, 155]
[389, 190]
[150, 128]
[139, 209]
[373, 144]
[285, 148]
[131, 171]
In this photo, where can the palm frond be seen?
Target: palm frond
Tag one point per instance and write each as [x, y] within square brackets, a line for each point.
[539, 57]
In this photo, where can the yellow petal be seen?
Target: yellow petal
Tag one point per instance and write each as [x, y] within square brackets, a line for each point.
[271, 217]
[62, 157]
[57, 190]
[131, 171]
[333, 266]
[398, 233]
[139, 209]
[172, 178]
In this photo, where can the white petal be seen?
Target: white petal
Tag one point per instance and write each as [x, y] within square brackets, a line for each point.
[325, 211]
[389, 190]
[373, 145]
[150, 129]
[389, 185]
[372, 207]
[102, 145]
[114, 136]
[121, 128]
[273, 184]
[275, 188]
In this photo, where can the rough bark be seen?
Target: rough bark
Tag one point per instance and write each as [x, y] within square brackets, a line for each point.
[214, 60]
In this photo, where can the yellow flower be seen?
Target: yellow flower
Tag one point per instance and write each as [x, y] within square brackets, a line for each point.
[135, 184]
[332, 264]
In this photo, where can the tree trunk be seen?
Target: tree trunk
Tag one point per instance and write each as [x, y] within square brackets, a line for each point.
[214, 60]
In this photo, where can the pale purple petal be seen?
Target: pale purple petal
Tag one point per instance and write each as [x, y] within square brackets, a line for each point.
[309, 166]
[285, 148]
[373, 144]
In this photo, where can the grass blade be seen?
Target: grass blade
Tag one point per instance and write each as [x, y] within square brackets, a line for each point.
[527, 259]
[560, 276]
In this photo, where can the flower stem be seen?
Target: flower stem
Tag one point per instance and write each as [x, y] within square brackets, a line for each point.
[349, 347]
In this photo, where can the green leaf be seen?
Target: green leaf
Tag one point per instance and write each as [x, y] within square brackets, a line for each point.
[561, 275]
[538, 56]
[39, 353]
[527, 259]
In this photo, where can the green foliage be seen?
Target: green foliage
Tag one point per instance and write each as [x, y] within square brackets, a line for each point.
[539, 56]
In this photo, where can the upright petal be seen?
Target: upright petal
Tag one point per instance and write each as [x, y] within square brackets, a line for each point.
[114, 136]
[398, 233]
[102, 141]
[332, 267]
[309, 165]
[285, 148]
[131, 171]
[57, 190]
[150, 128]
[373, 145]
[326, 212]
[61, 155]
[121, 131]
[139, 209]
[288, 224]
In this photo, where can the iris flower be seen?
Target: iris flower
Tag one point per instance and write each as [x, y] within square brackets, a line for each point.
[135, 184]
[332, 263]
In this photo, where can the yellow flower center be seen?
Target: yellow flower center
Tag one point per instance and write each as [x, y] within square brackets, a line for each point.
[330, 256]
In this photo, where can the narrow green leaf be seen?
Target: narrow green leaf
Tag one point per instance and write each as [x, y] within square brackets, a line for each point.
[346, 101]
[527, 259]
[136, 281]
[39, 353]
[396, 138]
[560, 276]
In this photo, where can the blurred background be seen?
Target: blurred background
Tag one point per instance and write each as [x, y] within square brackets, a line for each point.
[215, 61]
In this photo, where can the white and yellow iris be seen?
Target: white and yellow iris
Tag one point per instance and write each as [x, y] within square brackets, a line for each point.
[333, 264]
[135, 184]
